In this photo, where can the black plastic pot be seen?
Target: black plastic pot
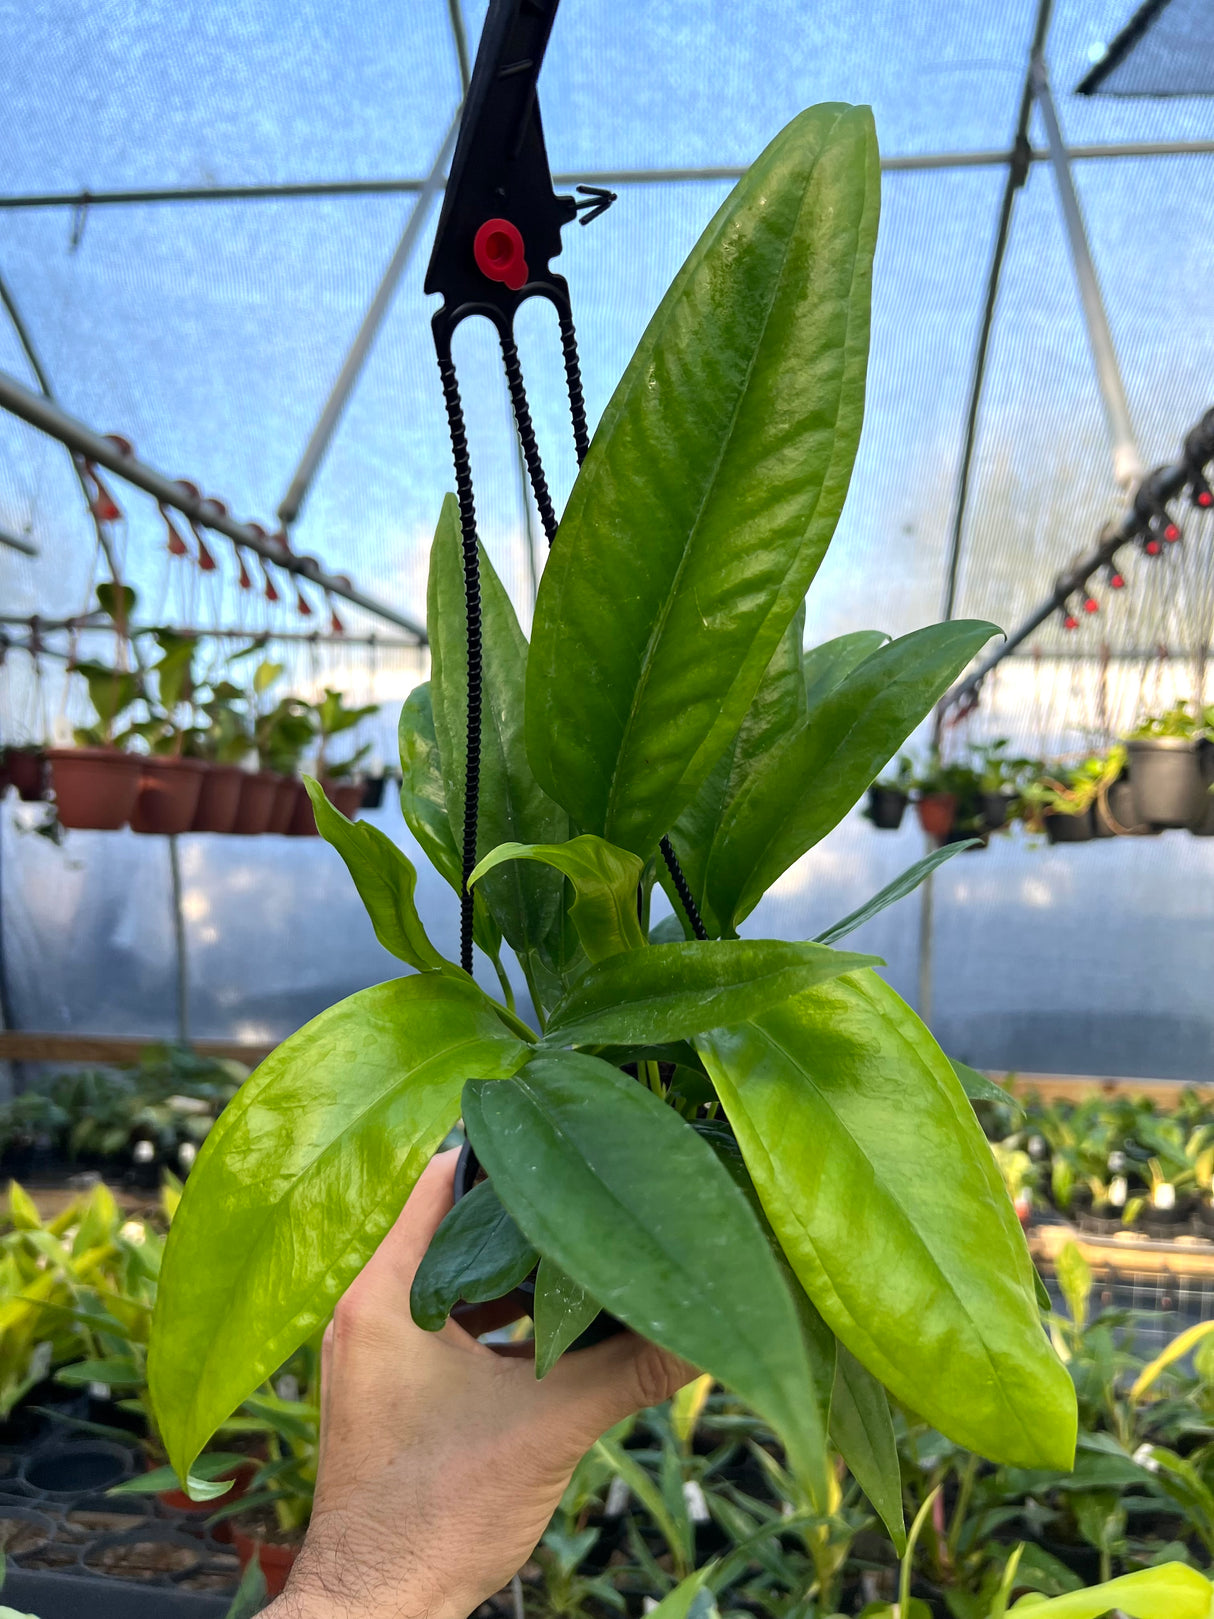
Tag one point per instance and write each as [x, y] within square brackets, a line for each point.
[963, 835]
[995, 810]
[373, 791]
[1070, 828]
[886, 807]
[1165, 776]
[67, 1596]
[467, 1168]
[1114, 815]
[1203, 826]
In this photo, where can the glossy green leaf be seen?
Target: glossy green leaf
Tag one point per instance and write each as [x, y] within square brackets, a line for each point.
[477, 1254]
[862, 1429]
[807, 785]
[828, 665]
[385, 880]
[886, 1199]
[563, 1311]
[424, 806]
[205, 1483]
[733, 431]
[525, 898]
[671, 991]
[1172, 1591]
[892, 892]
[298, 1180]
[604, 878]
[778, 707]
[981, 1089]
[626, 1197]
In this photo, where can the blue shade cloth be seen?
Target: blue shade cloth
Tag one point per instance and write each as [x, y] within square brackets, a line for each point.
[209, 333]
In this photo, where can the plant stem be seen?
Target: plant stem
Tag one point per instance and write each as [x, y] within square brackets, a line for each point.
[653, 1077]
[504, 981]
[965, 1490]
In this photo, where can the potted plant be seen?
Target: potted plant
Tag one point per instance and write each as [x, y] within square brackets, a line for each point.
[223, 742]
[96, 782]
[1061, 800]
[340, 778]
[1203, 826]
[278, 738]
[613, 731]
[1000, 777]
[889, 795]
[25, 769]
[949, 800]
[171, 775]
[1165, 774]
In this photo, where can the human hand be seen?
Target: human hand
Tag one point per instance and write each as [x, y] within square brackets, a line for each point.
[441, 1459]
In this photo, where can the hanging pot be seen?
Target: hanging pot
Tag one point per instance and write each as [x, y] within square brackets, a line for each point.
[94, 788]
[1203, 826]
[1166, 779]
[256, 805]
[285, 798]
[1070, 828]
[26, 769]
[346, 796]
[373, 791]
[218, 799]
[303, 822]
[168, 795]
[996, 807]
[936, 812]
[886, 807]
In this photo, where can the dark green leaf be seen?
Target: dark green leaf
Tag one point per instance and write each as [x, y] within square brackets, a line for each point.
[477, 1254]
[604, 878]
[525, 898]
[385, 880]
[297, 1182]
[563, 1311]
[863, 1430]
[424, 807]
[733, 431]
[829, 665]
[892, 892]
[625, 1197]
[671, 991]
[206, 1482]
[804, 787]
[981, 1089]
[885, 1197]
[119, 1371]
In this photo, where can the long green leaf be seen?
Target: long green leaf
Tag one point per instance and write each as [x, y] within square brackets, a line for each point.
[733, 432]
[297, 1182]
[829, 664]
[604, 878]
[777, 708]
[424, 806]
[1172, 1591]
[892, 892]
[672, 991]
[477, 1254]
[385, 880]
[625, 1197]
[886, 1200]
[981, 1089]
[525, 899]
[862, 1429]
[807, 785]
[563, 1311]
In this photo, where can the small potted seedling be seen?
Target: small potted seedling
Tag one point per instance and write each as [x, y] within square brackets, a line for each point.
[889, 795]
[96, 782]
[223, 742]
[1165, 772]
[171, 778]
[340, 779]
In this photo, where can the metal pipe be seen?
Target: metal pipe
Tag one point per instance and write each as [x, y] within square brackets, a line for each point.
[92, 622]
[1127, 462]
[911, 163]
[359, 349]
[47, 417]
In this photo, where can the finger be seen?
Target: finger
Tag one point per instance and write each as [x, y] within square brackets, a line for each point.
[394, 1263]
[600, 1386]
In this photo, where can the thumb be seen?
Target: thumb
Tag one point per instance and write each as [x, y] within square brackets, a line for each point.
[590, 1390]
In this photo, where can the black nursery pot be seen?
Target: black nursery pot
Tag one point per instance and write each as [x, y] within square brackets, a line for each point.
[467, 1168]
[995, 810]
[1165, 776]
[1203, 827]
[886, 807]
[1070, 828]
[373, 791]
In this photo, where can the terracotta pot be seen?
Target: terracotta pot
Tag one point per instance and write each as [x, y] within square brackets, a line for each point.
[276, 1560]
[26, 769]
[168, 795]
[936, 812]
[283, 812]
[218, 799]
[94, 787]
[256, 805]
[303, 822]
[346, 796]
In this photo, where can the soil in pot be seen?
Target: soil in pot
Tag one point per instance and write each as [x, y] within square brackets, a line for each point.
[95, 788]
[168, 795]
[26, 769]
[1070, 828]
[886, 807]
[285, 799]
[218, 799]
[256, 805]
[1165, 776]
[936, 812]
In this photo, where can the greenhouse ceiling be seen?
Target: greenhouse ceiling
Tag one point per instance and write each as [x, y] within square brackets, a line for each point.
[199, 202]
